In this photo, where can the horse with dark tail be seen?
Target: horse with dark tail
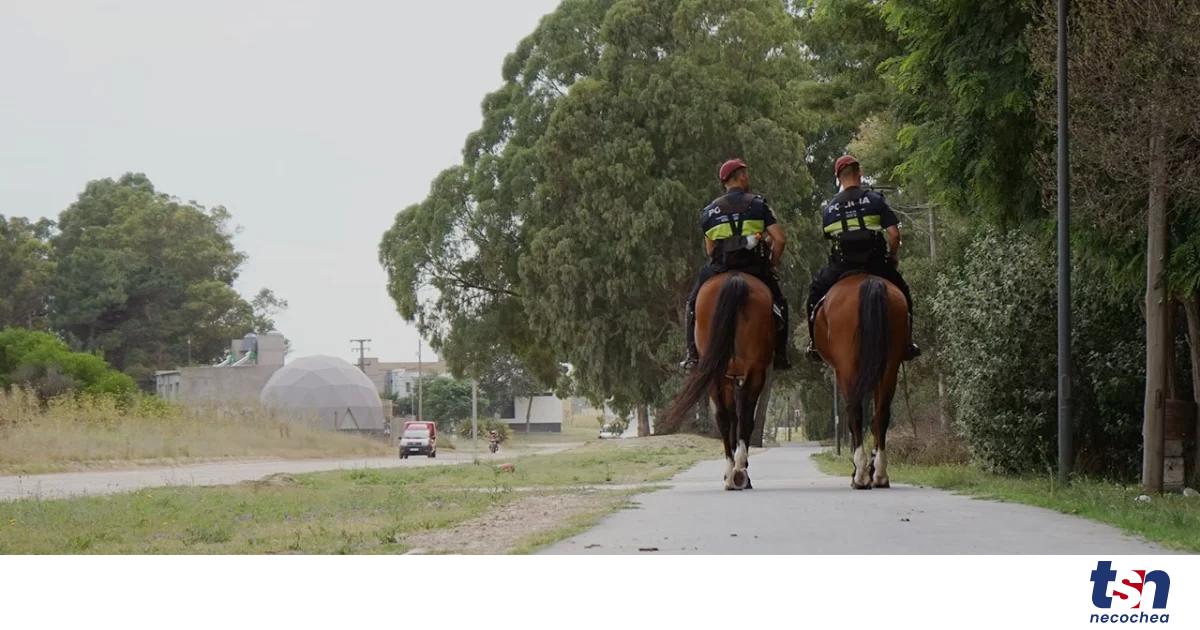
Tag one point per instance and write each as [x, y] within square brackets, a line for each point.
[860, 329]
[735, 334]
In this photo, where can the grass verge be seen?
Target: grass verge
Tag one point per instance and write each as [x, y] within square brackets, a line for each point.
[356, 511]
[1171, 520]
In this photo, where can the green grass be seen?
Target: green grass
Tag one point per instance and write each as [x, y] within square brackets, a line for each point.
[1171, 520]
[355, 511]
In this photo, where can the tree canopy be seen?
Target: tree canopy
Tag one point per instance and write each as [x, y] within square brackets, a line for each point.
[569, 232]
[133, 274]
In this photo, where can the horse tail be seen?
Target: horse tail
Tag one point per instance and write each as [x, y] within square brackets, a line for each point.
[722, 332]
[872, 337]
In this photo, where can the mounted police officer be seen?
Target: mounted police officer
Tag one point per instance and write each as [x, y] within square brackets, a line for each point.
[734, 226]
[866, 237]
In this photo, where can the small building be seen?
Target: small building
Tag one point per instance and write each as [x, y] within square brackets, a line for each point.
[545, 413]
[236, 380]
[400, 379]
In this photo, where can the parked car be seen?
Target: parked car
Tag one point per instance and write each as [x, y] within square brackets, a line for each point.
[418, 440]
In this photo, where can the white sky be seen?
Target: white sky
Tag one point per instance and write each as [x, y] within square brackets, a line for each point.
[313, 122]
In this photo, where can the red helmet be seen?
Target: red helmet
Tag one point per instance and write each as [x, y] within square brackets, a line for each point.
[728, 168]
[843, 162]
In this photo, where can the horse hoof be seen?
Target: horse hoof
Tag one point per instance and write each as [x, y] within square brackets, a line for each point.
[740, 479]
[860, 486]
[883, 484]
[749, 486]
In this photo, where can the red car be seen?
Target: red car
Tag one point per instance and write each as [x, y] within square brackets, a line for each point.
[418, 438]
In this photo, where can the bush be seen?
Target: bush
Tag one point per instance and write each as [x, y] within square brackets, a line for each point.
[44, 363]
[997, 319]
[485, 425]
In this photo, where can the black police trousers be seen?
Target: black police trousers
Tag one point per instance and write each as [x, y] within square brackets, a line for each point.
[760, 271]
[832, 272]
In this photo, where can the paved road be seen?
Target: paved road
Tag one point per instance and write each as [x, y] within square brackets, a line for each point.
[59, 485]
[795, 509]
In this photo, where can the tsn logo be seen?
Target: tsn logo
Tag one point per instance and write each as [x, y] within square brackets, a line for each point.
[1127, 590]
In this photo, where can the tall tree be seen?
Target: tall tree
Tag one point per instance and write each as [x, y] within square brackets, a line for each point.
[572, 231]
[26, 269]
[452, 259]
[140, 273]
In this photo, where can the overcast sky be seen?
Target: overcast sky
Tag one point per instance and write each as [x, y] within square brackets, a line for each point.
[312, 122]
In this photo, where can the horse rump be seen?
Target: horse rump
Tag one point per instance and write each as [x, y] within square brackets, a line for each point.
[722, 332]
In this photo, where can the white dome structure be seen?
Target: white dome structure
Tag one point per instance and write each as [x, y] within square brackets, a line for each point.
[331, 391]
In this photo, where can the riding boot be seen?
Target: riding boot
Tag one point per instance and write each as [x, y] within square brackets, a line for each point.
[693, 354]
[811, 351]
[912, 351]
[781, 339]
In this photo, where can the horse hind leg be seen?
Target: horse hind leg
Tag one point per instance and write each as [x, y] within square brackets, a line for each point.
[740, 436]
[861, 478]
[727, 426]
[879, 426]
[746, 422]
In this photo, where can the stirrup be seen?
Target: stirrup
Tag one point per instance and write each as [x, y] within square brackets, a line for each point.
[911, 351]
[690, 362]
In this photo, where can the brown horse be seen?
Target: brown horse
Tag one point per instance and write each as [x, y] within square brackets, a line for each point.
[860, 330]
[735, 333]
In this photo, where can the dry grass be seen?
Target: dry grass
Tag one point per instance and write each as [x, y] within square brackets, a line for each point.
[89, 433]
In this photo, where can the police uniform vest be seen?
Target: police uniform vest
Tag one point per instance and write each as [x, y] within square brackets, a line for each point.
[855, 220]
[735, 221]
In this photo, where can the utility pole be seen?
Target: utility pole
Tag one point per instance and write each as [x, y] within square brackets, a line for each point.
[1064, 256]
[420, 384]
[362, 349]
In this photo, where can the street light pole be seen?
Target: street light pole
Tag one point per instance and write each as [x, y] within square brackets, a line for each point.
[1064, 256]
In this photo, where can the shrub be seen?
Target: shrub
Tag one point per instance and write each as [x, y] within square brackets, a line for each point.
[44, 363]
[997, 319]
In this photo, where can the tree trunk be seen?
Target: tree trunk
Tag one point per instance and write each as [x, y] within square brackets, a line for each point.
[760, 411]
[1156, 321]
[1191, 308]
[528, 412]
[643, 420]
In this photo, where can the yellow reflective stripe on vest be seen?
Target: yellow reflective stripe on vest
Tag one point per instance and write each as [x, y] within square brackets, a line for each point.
[749, 226]
[871, 221]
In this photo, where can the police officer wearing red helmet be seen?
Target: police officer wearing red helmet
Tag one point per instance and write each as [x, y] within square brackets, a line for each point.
[737, 227]
[865, 235]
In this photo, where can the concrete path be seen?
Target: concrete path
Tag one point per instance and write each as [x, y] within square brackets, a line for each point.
[795, 509]
[60, 485]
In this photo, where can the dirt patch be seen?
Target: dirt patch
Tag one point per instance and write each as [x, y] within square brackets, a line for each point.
[505, 528]
[276, 480]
